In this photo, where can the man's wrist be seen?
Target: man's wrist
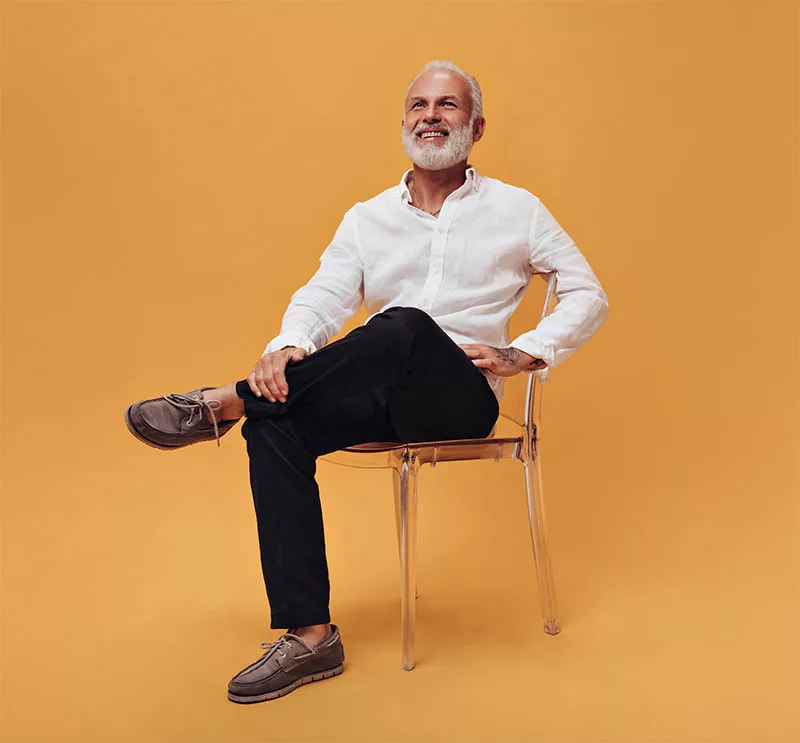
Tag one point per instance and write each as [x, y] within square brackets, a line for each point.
[527, 362]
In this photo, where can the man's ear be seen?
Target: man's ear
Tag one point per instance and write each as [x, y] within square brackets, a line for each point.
[478, 129]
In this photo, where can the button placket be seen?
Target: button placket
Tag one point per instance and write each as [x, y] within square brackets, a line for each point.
[433, 281]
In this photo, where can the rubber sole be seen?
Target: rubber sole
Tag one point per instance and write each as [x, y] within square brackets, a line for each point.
[319, 676]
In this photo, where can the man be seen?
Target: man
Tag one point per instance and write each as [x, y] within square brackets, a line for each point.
[441, 260]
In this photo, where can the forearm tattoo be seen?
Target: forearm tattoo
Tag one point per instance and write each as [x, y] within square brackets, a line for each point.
[512, 356]
[509, 355]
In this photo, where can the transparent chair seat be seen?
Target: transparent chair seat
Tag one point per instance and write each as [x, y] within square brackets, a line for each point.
[405, 459]
[429, 452]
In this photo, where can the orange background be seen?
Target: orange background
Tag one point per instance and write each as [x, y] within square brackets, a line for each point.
[172, 172]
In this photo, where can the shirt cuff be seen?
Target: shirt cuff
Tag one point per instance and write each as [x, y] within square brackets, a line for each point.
[544, 350]
[286, 339]
[543, 374]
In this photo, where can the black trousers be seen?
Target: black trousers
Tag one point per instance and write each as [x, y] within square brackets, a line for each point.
[397, 378]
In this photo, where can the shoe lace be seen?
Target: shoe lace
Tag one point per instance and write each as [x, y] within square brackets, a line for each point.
[280, 645]
[196, 408]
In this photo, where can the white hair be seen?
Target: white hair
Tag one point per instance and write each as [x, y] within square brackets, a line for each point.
[474, 89]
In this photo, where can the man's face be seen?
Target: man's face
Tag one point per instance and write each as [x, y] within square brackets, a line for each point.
[438, 127]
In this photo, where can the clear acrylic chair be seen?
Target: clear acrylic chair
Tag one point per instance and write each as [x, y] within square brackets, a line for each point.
[405, 461]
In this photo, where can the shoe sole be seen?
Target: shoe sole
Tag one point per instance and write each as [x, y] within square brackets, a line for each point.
[132, 429]
[319, 676]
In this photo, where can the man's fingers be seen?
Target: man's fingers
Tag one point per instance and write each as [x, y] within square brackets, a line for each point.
[261, 385]
[260, 379]
[278, 381]
[268, 378]
[264, 386]
[269, 381]
[281, 387]
[251, 381]
[295, 354]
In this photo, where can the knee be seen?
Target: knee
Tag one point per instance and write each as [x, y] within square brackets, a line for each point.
[411, 318]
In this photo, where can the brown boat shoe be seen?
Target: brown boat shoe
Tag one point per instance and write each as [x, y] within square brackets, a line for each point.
[288, 663]
[176, 420]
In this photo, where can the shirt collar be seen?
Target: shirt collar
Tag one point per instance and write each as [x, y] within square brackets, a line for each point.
[473, 182]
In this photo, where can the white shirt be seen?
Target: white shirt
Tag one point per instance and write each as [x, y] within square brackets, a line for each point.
[468, 269]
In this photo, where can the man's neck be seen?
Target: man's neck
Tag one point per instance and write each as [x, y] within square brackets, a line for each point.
[432, 187]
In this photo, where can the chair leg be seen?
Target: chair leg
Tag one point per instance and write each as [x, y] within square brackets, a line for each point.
[405, 489]
[398, 520]
[533, 487]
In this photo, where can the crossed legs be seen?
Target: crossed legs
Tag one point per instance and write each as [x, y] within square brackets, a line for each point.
[397, 378]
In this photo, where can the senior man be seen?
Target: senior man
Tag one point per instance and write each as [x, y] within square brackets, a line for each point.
[441, 260]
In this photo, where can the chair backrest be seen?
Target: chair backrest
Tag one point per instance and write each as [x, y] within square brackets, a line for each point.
[533, 394]
[521, 399]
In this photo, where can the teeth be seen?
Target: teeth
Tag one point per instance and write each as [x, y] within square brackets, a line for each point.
[429, 135]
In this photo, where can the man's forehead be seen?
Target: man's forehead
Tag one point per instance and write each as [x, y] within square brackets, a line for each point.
[437, 97]
[438, 84]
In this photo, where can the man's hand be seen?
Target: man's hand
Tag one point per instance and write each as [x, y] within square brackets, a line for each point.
[268, 378]
[505, 362]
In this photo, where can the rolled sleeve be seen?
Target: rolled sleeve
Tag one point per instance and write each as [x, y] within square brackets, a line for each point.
[318, 310]
[582, 304]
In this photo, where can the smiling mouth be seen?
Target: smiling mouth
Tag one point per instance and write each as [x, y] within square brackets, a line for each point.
[432, 135]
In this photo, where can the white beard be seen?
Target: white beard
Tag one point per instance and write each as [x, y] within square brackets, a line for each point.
[437, 157]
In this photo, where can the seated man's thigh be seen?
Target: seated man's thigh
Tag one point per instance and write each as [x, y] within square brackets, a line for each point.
[330, 425]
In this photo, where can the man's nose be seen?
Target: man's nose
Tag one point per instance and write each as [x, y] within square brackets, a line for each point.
[431, 116]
